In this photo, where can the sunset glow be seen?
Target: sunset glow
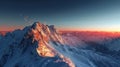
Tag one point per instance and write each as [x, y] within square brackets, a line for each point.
[59, 33]
[78, 15]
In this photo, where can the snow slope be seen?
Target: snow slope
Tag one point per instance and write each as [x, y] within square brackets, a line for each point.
[30, 47]
[93, 50]
[40, 45]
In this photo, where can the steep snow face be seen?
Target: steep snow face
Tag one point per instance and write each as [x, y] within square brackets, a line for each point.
[31, 47]
[43, 34]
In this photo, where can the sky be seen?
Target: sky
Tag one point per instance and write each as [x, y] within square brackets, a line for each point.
[88, 15]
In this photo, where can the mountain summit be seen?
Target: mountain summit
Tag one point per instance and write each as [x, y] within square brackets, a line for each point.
[34, 46]
[43, 34]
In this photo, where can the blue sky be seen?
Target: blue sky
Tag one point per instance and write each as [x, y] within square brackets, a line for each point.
[100, 15]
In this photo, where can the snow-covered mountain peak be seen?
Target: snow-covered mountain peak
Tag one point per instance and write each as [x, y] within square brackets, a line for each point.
[37, 41]
[43, 34]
